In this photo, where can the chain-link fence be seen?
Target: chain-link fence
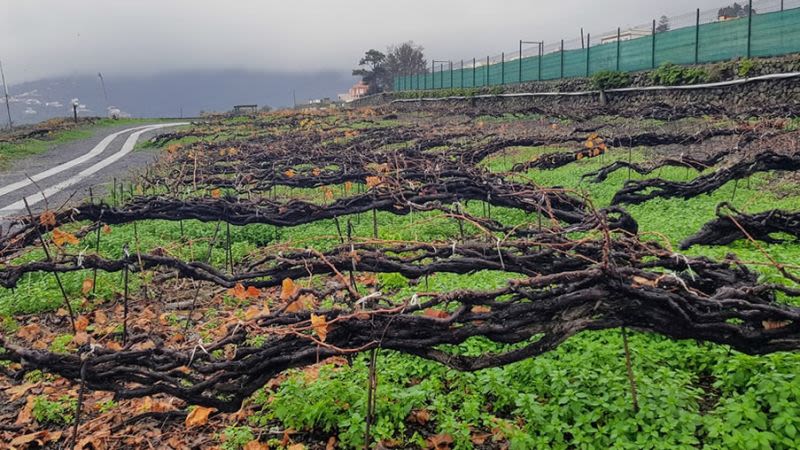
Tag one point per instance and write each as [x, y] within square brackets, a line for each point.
[754, 29]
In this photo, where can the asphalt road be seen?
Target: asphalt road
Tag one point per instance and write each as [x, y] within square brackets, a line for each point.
[64, 174]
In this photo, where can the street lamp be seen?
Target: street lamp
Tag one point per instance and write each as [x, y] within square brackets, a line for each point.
[75, 104]
[441, 70]
[541, 51]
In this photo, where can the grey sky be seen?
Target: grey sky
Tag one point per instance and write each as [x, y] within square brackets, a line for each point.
[42, 38]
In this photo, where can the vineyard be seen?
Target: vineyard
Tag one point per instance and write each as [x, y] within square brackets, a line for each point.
[345, 279]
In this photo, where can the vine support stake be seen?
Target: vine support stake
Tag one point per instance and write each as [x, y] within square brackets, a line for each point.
[97, 251]
[375, 223]
[79, 406]
[50, 258]
[338, 229]
[197, 289]
[371, 391]
[629, 368]
[125, 270]
[229, 251]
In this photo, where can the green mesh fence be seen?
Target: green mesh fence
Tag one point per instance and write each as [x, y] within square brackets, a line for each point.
[776, 33]
[763, 34]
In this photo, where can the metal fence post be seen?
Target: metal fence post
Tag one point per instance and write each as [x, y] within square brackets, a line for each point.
[451, 74]
[520, 60]
[749, 26]
[541, 54]
[561, 72]
[697, 38]
[462, 73]
[619, 42]
[588, 49]
[473, 72]
[441, 76]
[653, 50]
[503, 68]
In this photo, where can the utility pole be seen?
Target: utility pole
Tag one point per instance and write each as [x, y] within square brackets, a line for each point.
[294, 98]
[8, 105]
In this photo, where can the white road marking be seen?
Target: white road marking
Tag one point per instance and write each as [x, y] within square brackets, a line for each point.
[127, 147]
[98, 149]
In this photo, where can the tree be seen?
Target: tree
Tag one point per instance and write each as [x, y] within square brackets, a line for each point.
[735, 10]
[372, 70]
[379, 70]
[663, 24]
[405, 59]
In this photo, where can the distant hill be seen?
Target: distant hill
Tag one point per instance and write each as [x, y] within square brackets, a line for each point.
[164, 95]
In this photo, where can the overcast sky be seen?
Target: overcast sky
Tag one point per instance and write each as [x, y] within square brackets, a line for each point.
[44, 38]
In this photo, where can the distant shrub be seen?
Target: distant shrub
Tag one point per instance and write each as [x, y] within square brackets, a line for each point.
[609, 79]
[669, 74]
[746, 67]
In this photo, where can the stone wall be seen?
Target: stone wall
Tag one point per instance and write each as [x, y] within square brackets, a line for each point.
[756, 98]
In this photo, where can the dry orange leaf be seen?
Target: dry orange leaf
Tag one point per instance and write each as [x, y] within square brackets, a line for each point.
[315, 171]
[642, 281]
[238, 291]
[440, 442]
[289, 173]
[373, 181]
[62, 237]
[87, 286]
[348, 186]
[480, 309]
[435, 313]
[38, 438]
[331, 445]
[320, 325]
[29, 332]
[328, 194]
[100, 317]
[47, 218]
[25, 414]
[775, 324]
[216, 193]
[420, 416]
[81, 323]
[255, 311]
[288, 289]
[255, 445]
[296, 447]
[80, 338]
[253, 291]
[480, 438]
[106, 229]
[198, 416]
[302, 303]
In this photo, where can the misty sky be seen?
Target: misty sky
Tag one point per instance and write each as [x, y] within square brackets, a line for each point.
[45, 38]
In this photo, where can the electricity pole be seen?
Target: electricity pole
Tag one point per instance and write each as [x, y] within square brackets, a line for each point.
[8, 105]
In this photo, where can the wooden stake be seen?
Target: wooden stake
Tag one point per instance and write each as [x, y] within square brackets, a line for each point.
[55, 274]
[125, 295]
[629, 367]
[373, 385]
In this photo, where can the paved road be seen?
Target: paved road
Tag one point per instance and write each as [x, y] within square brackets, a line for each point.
[69, 170]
